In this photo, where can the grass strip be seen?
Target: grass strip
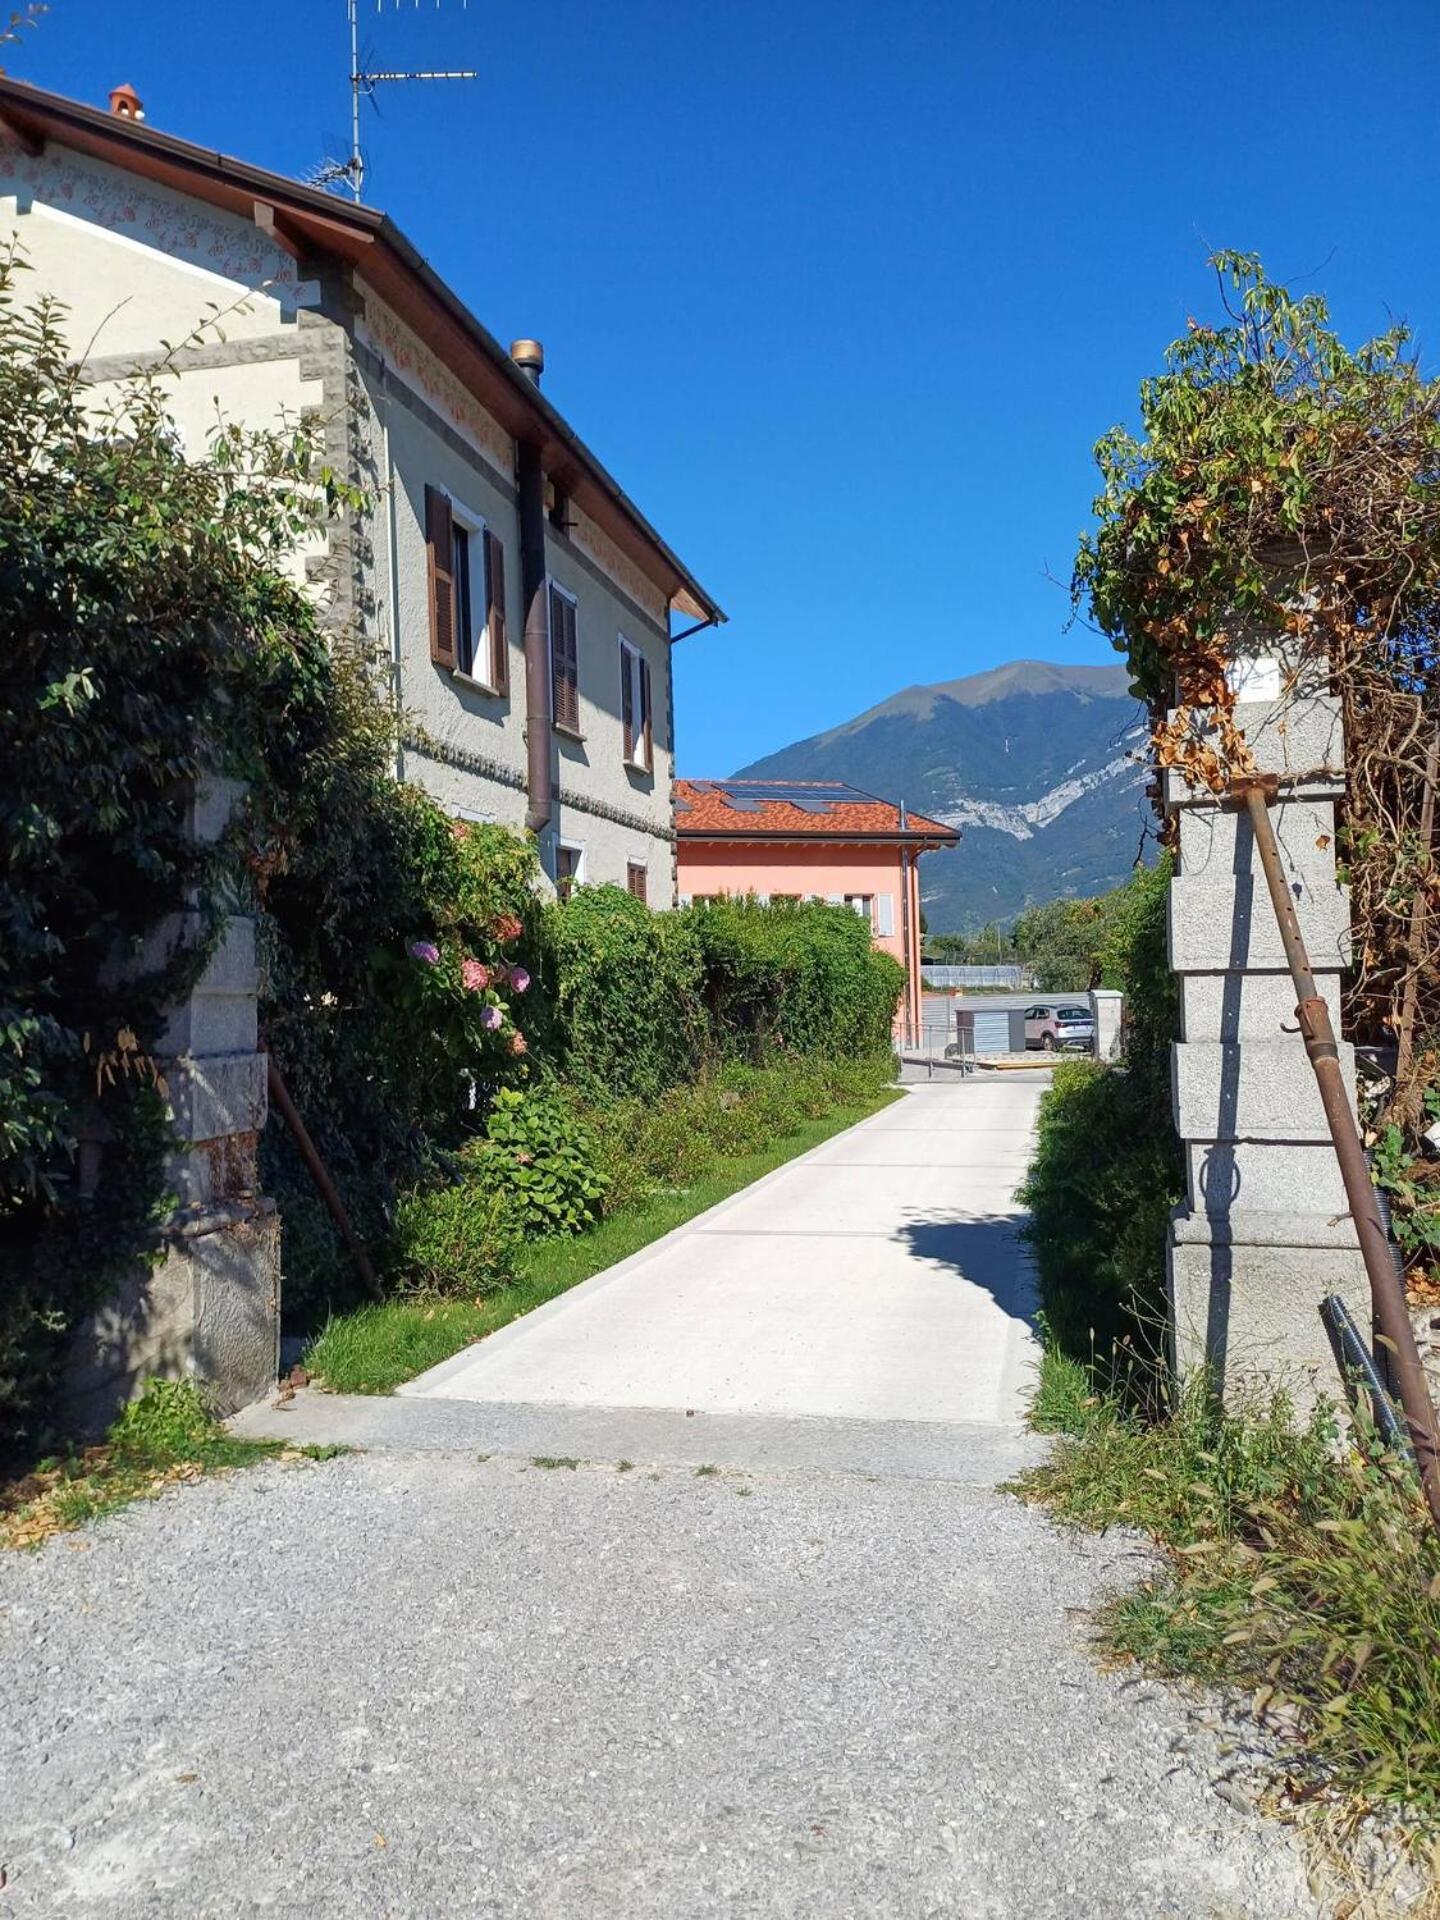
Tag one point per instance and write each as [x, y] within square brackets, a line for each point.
[374, 1348]
[1300, 1574]
[166, 1438]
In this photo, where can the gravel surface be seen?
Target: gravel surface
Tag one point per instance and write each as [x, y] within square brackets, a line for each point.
[430, 1684]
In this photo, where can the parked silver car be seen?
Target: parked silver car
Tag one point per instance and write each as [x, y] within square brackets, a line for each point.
[1059, 1028]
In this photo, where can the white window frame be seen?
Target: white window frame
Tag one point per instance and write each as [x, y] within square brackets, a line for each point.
[642, 751]
[862, 904]
[474, 526]
[577, 878]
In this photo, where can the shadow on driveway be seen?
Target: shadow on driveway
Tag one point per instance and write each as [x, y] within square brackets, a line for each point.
[987, 1251]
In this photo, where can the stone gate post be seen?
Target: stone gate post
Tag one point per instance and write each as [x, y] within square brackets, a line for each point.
[210, 1309]
[1263, 1233]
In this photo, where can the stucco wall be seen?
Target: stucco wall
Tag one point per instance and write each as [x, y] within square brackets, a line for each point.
[800, 868]
[136, 265]
[469, 746]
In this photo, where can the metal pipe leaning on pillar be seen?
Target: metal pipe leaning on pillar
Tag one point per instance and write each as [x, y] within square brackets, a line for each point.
[320, 1174]
[1257, 792]
[534, 588]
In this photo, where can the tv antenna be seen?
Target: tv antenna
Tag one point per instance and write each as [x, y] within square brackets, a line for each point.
[364, 79]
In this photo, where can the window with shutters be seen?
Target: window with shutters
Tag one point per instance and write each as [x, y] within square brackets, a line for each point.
[467, 594]
[564, 662]
[635, 707]
[440, 558]
[462, 540]
[568, 861]
[861, 903]
[635, 877]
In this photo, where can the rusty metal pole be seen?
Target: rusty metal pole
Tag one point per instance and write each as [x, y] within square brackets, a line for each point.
[1387, 1294]
[320, 1174]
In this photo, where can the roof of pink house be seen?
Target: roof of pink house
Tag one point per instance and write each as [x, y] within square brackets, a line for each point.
[797, 810]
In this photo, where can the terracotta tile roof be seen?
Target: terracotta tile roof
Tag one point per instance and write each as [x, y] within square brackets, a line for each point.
[795, 810]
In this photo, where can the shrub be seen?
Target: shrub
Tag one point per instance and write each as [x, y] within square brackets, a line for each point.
[1107, 1167]
[460, 1239]
[374, 927]
[802, 976]
[733, 1110]
[1306, 1577]
[625, 985]
[540, 1154]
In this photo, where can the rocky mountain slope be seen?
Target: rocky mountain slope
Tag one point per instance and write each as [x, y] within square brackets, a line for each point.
[1033, 762]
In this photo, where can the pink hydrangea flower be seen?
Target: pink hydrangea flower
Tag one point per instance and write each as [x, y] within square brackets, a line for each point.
[473, 976]
[519, 979]
[517, 1043]
[425, 950]
[508, 928]
[490, 1018]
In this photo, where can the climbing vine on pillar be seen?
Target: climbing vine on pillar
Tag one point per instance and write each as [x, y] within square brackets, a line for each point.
[1283, 496]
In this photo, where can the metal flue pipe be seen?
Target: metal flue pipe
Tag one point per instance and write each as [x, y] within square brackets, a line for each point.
[1387, 1294]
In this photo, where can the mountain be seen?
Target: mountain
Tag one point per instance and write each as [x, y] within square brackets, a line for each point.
[1033, 762]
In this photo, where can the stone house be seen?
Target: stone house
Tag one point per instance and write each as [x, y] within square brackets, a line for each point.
[525, 606]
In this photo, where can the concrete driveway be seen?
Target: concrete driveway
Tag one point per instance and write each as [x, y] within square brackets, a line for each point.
[691, 1595]
[879, 1278]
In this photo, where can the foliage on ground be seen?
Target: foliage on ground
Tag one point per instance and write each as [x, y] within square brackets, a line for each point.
[542, 1156]
[463, 1236]
[373, 1348]
[164, 1439]
[1107, 1166]
[1303, 1575]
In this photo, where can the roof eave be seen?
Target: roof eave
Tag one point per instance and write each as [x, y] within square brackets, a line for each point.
[924, 841]
[369, 240]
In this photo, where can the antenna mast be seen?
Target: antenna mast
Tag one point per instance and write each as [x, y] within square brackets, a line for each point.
[363, 82]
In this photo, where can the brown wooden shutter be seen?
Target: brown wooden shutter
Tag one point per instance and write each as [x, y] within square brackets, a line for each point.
[495, 613]
[627, 701]
[564, 663]
[440, 546]
[647, 731]
[557, 655]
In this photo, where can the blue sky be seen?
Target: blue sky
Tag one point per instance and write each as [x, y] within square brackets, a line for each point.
[842, 293]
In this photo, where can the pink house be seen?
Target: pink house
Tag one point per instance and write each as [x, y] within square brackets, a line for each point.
[803, 839]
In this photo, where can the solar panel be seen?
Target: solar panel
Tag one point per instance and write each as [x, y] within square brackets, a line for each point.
[809, 798]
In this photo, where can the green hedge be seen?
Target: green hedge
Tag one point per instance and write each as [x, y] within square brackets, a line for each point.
[643, 1001]
[1108, 1167]
[624, 987]
[803, 977]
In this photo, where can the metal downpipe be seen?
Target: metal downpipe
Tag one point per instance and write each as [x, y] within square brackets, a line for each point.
[534, 589]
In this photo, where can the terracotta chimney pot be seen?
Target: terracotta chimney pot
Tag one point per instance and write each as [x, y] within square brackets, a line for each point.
[125, 103]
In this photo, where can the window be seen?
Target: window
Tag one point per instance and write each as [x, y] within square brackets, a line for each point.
[635, 706]
[461, 537]
[466, 564]
[635, 876]
[567, 870]
[564, 662]
[861, 903]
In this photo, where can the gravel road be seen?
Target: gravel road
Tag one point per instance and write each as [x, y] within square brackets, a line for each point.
[429, 1684]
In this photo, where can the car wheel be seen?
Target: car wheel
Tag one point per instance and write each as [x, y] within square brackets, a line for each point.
[1047, 1042]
